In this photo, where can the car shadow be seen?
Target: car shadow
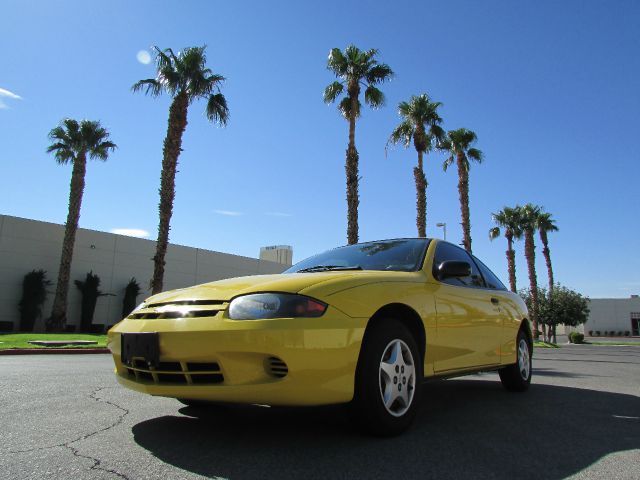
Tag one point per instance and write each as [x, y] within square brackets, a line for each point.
[464, 429]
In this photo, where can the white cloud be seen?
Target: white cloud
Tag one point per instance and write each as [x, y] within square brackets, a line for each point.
[4, 93]
[144, 57]
[228, 213]
[278, 214]
[8, 94]
[131, 232]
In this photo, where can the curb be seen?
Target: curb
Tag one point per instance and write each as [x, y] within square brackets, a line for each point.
[46, 351]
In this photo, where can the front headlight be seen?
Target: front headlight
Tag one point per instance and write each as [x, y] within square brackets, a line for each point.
[259, 306]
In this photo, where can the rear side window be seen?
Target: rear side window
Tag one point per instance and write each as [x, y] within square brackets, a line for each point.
[447, 251]
[489, 277]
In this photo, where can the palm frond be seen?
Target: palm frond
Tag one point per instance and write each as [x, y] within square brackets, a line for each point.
[217, 109]
[153, 87]
[374, 97]
[402, 134]
[447, 163]
[337, 62]
[475, 154]
[332, 92]
[101, 151]
[379, 73]
[345, 108]
[494, 233]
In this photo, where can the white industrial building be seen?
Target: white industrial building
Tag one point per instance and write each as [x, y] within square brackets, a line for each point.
[277, 253]
[27, 245]
[613, 317]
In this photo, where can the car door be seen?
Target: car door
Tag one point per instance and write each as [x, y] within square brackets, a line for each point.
[506, 308]
[469, 325]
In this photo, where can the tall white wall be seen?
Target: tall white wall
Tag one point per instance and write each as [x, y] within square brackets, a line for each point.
[611, 314]
[27, 245]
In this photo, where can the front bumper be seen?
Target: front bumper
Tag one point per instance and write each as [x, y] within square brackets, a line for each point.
[319, 354]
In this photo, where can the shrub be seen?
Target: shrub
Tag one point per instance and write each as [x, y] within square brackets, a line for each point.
[619, 334]
[131, 292]
[627, 333]
[90, 290]
[34, 294]
[578, 337]
[597, 333]
[591, 333]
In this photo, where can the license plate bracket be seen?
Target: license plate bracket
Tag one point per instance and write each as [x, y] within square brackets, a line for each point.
[140, 345]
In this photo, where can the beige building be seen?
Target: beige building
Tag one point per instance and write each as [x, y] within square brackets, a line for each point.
[27, 245]
[618, 315]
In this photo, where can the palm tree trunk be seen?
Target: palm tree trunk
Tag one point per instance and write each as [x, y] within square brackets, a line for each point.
[170, 153]
[463, 191]
[547, 258]
[421, 197]
[351, 170]
[530, 254]
[511, 262]
[58, 319]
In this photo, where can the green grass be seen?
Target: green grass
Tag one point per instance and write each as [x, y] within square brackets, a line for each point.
[637, 344]
[19, 340]
[540, 344]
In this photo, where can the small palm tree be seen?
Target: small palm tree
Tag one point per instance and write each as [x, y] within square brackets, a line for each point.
[185, 78]
[529, 222]
[354, 69]
[508, 219]
[73, 141]
[458, 146]
[420, 122]
[545, 225]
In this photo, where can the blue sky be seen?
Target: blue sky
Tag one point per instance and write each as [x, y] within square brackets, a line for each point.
[551, 88]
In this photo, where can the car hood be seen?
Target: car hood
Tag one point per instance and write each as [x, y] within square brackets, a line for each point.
[330, 282]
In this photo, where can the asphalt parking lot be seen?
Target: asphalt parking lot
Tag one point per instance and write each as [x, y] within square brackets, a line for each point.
[66, 417]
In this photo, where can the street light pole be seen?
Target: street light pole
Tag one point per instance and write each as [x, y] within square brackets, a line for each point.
[444, 228]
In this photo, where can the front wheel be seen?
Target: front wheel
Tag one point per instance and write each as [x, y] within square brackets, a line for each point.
[388, 379]
[517, 377]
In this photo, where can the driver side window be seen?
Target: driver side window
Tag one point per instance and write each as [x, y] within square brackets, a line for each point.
[448, 251]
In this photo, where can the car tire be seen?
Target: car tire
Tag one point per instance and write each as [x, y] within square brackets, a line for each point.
[517, 377]
[388, 380]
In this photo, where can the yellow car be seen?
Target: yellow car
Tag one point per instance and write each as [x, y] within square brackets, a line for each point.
[363, 325]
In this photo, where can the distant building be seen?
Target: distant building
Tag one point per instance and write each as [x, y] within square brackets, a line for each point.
[619, 315]
[27, 245]
[282, 254]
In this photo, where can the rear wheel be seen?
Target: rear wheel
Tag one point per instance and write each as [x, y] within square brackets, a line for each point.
[388, 379]
[517, 377]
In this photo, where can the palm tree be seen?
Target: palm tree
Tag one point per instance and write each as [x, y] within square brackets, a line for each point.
[528, 222]
[545, 225]
[420, 122]
[509, 220]
[73, 141]
[458, 145]
[355, 69]
[185, 78]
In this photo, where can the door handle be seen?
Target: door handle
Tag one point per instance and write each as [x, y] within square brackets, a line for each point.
[494, 300]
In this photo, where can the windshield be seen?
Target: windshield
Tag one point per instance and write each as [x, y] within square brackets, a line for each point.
[403, 255]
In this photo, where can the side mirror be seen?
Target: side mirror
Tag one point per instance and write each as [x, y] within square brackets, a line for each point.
[452, 268]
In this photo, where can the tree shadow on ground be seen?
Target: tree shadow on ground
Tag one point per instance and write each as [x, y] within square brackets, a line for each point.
[465, 429]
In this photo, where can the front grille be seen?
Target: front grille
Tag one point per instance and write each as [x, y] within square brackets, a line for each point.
[180, 309]
[187, 302]
[167, 372]
[277, 367]
[159, 315]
